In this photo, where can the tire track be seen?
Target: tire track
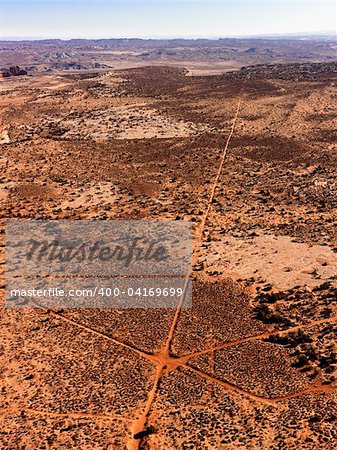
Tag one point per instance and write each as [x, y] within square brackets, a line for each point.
[222, 161]
[262, 336]
[140, 424]
[141, 353]
[231, 387]
[317, 389]
[202, 225]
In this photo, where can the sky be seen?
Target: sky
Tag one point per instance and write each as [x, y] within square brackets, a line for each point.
[67, 19]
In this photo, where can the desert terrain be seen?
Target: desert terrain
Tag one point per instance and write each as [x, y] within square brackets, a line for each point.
[249, 157]
[198, 56]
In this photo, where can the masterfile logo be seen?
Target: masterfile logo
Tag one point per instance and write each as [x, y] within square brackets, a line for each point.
[58, 263]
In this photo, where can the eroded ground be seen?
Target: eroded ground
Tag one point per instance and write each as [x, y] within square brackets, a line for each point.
[253, 364]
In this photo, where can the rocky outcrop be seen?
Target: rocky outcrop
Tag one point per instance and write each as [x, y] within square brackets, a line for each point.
[290, 72]
[13, 71]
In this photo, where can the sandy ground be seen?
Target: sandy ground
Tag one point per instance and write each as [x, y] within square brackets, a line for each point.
[277, 260]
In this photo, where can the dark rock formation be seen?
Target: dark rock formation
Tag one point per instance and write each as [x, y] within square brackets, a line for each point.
[292, 72]
[13, 71]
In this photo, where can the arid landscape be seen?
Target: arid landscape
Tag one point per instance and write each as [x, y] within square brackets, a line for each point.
[240, 139]
[198, 56]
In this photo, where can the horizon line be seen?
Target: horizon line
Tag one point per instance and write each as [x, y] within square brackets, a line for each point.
[329, 33]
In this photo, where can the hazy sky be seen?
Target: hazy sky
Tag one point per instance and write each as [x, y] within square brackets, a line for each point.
[162, 18]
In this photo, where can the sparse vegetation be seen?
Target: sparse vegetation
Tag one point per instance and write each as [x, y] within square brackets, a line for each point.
[103, 144]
